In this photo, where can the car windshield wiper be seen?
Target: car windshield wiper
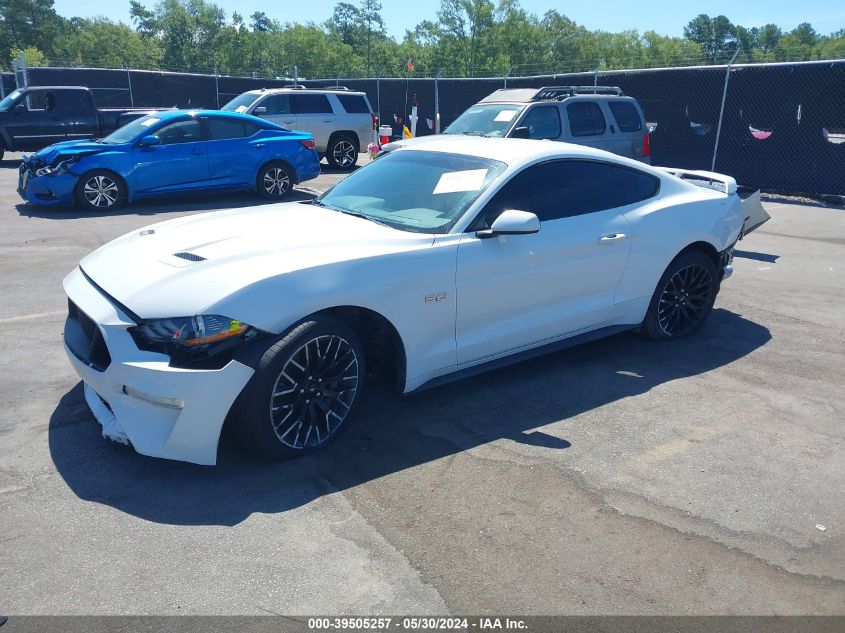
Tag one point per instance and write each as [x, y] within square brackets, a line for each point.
[319, 203]
[363, 217]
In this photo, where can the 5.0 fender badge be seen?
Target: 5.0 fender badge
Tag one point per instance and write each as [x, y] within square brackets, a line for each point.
[441, 296]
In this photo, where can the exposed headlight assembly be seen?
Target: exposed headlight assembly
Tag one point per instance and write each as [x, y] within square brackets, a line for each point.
[55, 170]
[206, 341]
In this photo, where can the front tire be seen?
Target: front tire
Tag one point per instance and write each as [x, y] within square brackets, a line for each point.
[683, 299]
[342, 152]
[100, 190]
[303, 392]
[274, 181]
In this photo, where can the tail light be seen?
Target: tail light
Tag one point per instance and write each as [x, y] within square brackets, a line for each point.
[309, 144]
[646, 144]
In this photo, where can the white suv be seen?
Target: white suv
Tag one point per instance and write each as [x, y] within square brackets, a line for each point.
[341, 121]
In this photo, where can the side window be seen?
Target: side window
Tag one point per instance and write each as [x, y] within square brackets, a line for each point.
[542, 122]
[627, 116]
[585, 118]
[553, 190]
[250, 128]
[277, 104]
[72, 101]
[38, 100]
[310, 104]
[180, 132]
[630, 186]
[354, 104]
[220, 128]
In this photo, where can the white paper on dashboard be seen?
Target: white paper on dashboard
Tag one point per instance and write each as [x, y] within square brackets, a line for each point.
[467, 180]
[505, 115]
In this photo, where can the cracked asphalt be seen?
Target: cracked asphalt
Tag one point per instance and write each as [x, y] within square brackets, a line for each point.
[620, 477]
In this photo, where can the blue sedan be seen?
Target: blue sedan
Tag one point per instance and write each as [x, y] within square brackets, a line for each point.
[171, 152]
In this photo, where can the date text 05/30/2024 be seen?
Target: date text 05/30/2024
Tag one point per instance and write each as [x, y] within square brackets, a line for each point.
[416, 623]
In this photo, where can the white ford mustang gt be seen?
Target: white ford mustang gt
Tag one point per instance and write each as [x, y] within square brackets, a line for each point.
[426, 265]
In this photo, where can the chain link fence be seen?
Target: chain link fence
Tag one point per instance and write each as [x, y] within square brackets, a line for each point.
[775, 126]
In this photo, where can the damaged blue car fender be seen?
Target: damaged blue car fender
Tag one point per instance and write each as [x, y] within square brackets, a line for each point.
[167, 153]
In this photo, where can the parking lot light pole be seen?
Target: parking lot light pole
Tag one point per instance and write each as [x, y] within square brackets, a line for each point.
[722, 109]
[437, 102]
[129, 81]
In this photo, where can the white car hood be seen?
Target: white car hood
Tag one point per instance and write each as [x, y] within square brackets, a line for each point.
[239, 247]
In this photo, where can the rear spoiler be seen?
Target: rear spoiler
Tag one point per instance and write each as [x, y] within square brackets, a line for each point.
[726, 181]
[752, 208]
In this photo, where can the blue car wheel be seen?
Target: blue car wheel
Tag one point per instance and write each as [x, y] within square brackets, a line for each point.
[100, 190]
[275, 181]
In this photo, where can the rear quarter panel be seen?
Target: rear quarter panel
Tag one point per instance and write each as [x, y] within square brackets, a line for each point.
[680, 215]
[287, 146]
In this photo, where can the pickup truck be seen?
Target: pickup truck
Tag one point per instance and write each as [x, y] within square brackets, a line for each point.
[33, 118]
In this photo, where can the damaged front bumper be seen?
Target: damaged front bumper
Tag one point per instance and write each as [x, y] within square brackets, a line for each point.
[136, 396]
[52, 190]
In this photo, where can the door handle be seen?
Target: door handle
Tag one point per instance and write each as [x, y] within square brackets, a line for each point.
[327, 120]
[283, 121]
[258, 145]
[612, 237]
[196, 152]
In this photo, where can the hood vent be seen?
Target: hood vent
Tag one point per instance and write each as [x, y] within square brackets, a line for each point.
[191, 257]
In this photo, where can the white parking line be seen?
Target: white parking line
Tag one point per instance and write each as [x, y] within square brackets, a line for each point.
[30, 317]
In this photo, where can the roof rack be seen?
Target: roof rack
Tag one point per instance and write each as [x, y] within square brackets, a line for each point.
[301, 87]
[558, 93]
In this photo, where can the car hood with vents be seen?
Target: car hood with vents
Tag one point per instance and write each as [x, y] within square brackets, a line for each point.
[184, 266]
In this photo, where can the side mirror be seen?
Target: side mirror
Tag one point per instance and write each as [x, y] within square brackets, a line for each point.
[150, 141]
[20, 108]
[512, 222]
[521, 132]
[260, 110]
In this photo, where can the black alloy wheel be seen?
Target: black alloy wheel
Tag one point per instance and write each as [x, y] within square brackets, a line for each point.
[304, 391]
[683, 298]
[314, 392]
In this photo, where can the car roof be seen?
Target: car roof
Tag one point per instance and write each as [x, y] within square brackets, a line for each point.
[517, 151]
[553, 94]
[221, 114]
[292, 90]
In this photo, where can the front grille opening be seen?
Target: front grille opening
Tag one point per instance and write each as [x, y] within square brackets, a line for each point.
[85, 340]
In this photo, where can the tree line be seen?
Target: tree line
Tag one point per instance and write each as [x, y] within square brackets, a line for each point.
[466, 38]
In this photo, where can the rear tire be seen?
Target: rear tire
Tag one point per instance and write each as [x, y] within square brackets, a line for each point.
[100, 190]
[342, 152]
[303, 392]
[683, 299]
[274, 181]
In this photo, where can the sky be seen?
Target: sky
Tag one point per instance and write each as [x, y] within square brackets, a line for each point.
[667, 17]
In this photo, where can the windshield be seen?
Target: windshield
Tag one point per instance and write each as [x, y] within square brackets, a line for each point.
[9, 100]
[241, 103]
[492, 119]
[129, 131]
[417, 191]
